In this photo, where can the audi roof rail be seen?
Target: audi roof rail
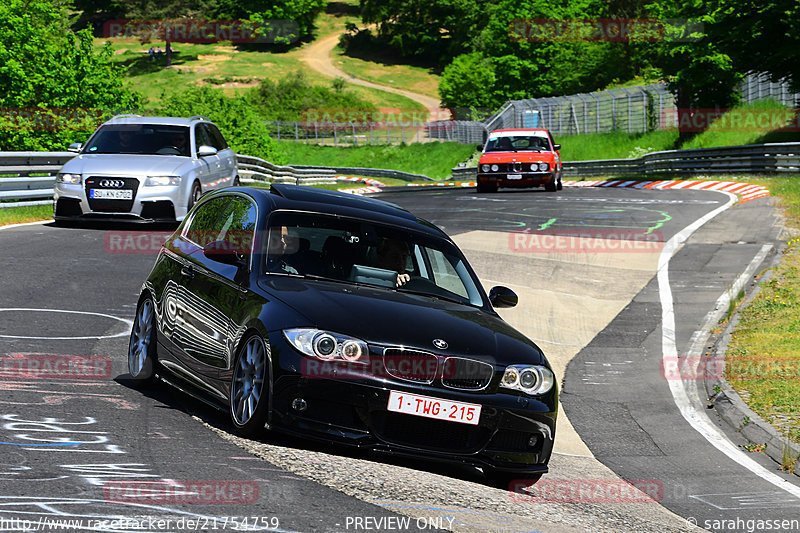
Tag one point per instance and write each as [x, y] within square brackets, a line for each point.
[199, 117]
[126, 115]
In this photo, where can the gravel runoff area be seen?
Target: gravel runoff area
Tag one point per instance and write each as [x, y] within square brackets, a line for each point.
[476, 506]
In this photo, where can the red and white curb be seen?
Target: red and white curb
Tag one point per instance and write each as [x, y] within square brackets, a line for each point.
[373, 185]
[745, 191]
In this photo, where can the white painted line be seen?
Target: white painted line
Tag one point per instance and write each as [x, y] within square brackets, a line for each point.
[9, 226]
[128, 325]
[698, 419]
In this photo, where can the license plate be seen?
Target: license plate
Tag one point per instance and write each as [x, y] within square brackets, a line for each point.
[110, 194]
[513, 176]
[450, 411]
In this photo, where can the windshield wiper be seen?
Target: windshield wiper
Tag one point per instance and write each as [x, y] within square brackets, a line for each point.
[433, 295]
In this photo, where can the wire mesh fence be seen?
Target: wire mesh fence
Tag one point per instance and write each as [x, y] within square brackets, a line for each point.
[638, 109]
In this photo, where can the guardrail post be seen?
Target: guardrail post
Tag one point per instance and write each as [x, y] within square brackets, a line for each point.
[296, 132]
[335, 136]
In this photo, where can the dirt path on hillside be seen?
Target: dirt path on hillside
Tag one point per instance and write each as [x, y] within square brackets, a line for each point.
[318, 57]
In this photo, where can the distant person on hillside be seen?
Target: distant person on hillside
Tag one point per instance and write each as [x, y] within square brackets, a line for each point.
[159, 52]
[152, 53]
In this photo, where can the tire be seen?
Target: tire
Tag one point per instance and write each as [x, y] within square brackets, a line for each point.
[194, 196]
[551, 187]
[560, 185]
[248, 405]
[236, 182]
[142, 354]
[486, 187]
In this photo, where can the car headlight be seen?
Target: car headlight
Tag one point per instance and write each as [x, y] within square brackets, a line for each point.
[544, 166]
[161, 181]
[74, 179]
[326, 345]
[495, 168]
[485, 168]
[530, 379]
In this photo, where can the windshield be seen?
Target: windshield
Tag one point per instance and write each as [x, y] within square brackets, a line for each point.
[518, 143]
[361, 252]
[144, 139]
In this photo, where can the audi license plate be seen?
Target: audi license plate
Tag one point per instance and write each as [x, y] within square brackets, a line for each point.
[110, 194]
[413, 404]
[513, 176]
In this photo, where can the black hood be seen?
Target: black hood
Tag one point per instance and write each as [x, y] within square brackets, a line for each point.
[396, 318]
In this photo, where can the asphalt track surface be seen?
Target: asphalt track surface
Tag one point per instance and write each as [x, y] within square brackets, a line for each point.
[66, 292]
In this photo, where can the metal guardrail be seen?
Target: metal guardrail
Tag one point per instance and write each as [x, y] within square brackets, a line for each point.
[371, 172]
[29, 177]
[757, 158]
[254, 169]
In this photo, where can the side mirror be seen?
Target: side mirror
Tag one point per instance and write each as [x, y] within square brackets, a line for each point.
[225, 252]
[479, 147]
[206, 150]
[75, 147]
[556, 147]
[503, 297]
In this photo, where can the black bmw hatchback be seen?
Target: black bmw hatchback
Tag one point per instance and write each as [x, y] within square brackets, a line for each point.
[346, 319]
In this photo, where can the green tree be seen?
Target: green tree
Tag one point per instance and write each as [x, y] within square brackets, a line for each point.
[301, 12]
[468, 84]
[168, 12]
[699, 70]
[760, 36]
[437, 31]
[54, 88]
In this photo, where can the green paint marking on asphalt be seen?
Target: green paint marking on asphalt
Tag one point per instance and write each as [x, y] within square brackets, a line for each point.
[666, 218]
[547, 224]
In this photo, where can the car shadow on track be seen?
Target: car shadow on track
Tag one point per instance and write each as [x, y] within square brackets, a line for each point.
[105, 225]
[216, 417]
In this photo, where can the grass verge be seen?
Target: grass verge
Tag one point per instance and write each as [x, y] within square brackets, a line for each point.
[763, 358]
[19, 215]
[434, 160]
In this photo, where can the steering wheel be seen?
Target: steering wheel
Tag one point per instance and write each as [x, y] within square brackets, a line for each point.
[169, 150]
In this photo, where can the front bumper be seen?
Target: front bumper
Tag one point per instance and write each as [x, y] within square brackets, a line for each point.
[522, 179]
[515, 433]
[149, 204]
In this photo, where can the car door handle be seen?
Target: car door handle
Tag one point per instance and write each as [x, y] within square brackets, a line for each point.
[187, 272]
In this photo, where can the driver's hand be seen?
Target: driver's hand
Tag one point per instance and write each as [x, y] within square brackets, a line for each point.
[402, 279]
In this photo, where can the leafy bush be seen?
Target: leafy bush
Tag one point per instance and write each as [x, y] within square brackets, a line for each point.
[242, 126]
[293, 97]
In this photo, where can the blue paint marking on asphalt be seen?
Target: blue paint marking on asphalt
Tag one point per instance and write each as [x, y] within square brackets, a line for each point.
[51, 444]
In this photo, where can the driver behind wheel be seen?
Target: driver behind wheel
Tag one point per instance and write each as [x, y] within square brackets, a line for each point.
[178, 140]
[393, 254]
